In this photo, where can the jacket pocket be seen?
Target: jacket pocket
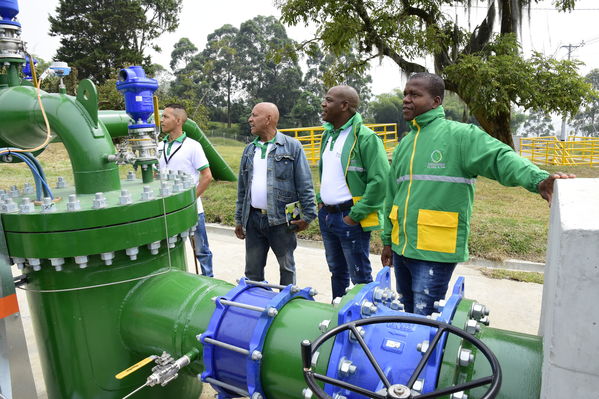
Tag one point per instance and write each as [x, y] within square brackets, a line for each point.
[395, 224]
[283, 166]
[437, 231]
[371, 220]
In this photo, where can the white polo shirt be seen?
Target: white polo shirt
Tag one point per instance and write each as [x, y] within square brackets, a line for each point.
[183, 154]
[259, 187]
[333, 187]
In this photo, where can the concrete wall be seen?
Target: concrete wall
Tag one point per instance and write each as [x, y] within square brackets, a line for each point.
[570, 313]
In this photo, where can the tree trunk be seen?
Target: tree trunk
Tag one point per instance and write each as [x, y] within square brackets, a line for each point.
[229, 104]
[498, 126]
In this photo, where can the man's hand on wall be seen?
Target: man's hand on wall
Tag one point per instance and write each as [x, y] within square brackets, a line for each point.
[546, 186]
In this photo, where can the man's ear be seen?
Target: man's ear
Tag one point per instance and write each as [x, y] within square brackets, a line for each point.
[345, 106]
[437, 101]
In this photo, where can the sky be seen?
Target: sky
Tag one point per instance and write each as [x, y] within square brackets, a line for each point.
[548, 31]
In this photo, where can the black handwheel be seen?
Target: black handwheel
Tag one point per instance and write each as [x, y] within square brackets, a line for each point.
[399, 391]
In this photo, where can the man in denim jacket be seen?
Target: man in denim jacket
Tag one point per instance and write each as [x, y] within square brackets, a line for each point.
[273, 172]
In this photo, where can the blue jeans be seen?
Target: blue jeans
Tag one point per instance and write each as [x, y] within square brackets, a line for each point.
[420, 283]
[346, 249]
[202, 250]
[259, 237]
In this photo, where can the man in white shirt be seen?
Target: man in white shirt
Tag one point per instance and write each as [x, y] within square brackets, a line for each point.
[353, 181]
[273, 173]
[179, 152]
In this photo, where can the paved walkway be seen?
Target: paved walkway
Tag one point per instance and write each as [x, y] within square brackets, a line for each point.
[514, 306]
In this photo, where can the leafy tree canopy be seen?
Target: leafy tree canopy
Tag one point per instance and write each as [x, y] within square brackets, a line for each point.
[587, 121]
[479, 65]
[100, 36]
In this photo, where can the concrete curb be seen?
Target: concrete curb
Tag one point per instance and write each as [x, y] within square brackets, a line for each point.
[509, 264]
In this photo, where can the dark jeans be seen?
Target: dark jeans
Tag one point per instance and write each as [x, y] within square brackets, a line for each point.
[202, 250]
[259, 237]
[346, 249]
[420, 283]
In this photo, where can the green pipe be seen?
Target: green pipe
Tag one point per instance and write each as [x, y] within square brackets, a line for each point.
[520, 356]
[117, 123]
[13, 75]
[23, 127]
[167, 312]
[219, 168]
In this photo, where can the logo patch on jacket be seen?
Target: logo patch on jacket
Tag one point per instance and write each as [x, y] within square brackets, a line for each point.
[436, 158]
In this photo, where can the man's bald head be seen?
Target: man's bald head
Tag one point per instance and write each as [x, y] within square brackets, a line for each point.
[339, 105]
[348, 94]
[263, 120]
[271, 110]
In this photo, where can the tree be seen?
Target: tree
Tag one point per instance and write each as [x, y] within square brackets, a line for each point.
[587, 121]
[387, 108]
[221, 66]
[183, 51]
[269, 66]
[485, 69]
[538, 124]
[101, 36]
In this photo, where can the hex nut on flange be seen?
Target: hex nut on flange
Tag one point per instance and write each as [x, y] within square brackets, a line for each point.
[465, 357]
[324, 326]
[459, 395]
[472, 327]
[346, 367]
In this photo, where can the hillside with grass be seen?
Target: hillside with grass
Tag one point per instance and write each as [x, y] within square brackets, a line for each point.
[507, 222]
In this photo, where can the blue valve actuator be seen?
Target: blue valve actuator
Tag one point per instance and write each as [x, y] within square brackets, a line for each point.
[8, 11]
[138, 91]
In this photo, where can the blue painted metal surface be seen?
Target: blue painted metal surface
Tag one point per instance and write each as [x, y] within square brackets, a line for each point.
[245, 329]
[138, 91]
[9, 10]
[393, 345]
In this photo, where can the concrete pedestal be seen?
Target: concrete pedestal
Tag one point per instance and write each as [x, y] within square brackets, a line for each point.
[570, 311]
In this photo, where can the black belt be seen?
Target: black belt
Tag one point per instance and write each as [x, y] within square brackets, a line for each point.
[262, 211]
[344, 206]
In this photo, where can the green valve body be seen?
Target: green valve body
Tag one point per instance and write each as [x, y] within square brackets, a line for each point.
[85, 255]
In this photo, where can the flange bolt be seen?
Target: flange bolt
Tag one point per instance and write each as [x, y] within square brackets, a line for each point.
[465, 357]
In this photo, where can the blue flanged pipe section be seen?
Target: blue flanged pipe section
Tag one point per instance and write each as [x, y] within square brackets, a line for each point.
[138, 91]
[397, 347]
[234, 340]
[8, 11]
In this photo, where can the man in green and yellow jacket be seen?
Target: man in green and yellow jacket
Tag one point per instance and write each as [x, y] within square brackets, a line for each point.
[431, 191]
[353, 175]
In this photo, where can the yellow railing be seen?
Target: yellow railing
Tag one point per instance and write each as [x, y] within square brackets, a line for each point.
[310, 138]
[550, 151]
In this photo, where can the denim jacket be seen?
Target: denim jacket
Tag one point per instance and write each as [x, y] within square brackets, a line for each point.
[288, 180]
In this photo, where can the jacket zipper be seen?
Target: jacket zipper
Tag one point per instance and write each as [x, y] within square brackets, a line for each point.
[349, 156]
[405, 212]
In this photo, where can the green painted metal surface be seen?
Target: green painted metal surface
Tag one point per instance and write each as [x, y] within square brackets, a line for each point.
[82, 348]
[23, 127]
[167, 312]
[89, 231]
[520, 356]
[281, 372]
[117, 121]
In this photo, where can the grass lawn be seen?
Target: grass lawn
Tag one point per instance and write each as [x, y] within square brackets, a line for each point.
[506, 223]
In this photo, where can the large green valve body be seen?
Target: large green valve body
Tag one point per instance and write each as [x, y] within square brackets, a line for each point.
[88, 260]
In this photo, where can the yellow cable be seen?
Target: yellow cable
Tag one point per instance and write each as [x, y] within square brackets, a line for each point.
[39, 100]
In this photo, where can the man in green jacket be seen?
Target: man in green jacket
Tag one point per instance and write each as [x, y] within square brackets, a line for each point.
[353, 176]
[431, 190]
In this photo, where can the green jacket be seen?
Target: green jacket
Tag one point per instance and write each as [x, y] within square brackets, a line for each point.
[431, 185]
[366, 168]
